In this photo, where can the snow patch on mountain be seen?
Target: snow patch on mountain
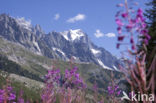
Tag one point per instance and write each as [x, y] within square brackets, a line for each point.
[65, 35]
[115, 68]
[38, 48]
[105, 67]
[56, 49]
[94, 51]
[23, 23]
[74, 57]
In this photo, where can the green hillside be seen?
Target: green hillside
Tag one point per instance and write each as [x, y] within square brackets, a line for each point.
[16, 59]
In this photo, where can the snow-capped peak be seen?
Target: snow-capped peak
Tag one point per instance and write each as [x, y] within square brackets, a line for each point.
[72, 35]
[24, 23]
[76, 34]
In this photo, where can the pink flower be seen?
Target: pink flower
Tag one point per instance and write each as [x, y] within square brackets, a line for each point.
[132, 40]
[129, 27]
[146, 41]
[144, 31]
[119, 22]
[12, 96]
[124, 15]
[140, 12]
[133, 21]
[119, 30]
[120, 38]
[147, 36]
[144, 25]
[133, 47]
[119, 92]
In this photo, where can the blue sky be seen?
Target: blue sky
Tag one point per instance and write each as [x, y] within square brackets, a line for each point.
[59, 15]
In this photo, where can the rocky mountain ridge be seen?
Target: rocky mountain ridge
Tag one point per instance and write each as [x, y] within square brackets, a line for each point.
[56, 45]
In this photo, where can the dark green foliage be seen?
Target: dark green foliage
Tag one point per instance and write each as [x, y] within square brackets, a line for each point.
[151, 47]
[12, 67]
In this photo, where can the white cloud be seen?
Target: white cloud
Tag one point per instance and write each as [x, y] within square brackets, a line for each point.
[99, 34]
[57, 16]
[110, 35]
[78, 17]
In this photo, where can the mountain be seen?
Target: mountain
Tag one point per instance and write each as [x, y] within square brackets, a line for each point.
[65, 45]
[27, 53]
